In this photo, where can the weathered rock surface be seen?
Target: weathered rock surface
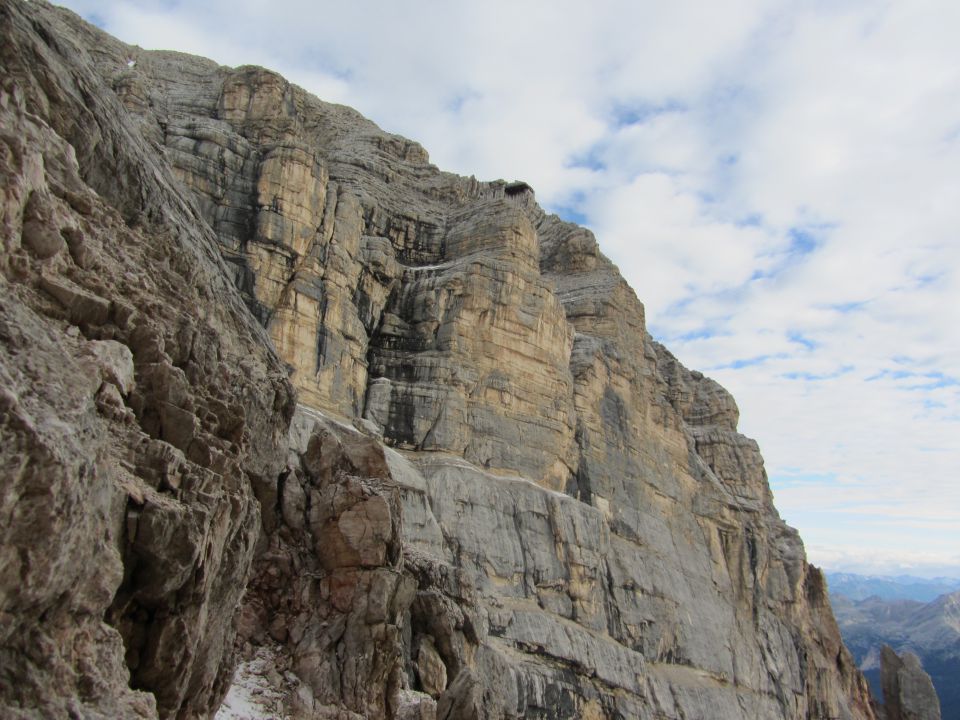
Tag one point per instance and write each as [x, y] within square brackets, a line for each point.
[908, 692]
[138, 399]
[499, 498]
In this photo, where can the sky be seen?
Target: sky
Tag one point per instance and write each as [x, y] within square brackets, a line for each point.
[778, 181]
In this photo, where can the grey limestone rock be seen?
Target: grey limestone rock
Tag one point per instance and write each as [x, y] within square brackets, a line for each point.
[131, 424]
[908, 692]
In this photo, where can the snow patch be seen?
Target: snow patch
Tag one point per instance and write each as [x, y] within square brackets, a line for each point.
[256, 692]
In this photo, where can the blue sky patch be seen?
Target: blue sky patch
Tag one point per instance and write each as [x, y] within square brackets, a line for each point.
[886, 374]
[592, 159]
[456, 103]
[936, 380]
[701, 333]
[636, 114]
[927, 279]
[753, 220]
[802, 242]
[817, 377]
[763, 274]
[799, 339]
[932, 380]
[570, 214]
[570, 209]
[847, 307]
[749, 362]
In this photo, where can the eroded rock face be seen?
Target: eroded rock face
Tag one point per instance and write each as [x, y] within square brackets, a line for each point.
[500, 497]
[393, 291]
[329, 585]
[132, 423]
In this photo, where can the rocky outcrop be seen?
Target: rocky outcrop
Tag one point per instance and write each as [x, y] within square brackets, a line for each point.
[133, 424]
[329, 587]
[931, 631]
[908, 692]
[499, 496]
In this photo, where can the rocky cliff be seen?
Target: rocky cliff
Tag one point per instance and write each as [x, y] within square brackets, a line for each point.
[497, 497]
[908, 693]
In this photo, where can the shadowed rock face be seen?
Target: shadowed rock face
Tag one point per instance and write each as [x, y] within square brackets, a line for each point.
[139, 402]
[545, 516]
[908, 692]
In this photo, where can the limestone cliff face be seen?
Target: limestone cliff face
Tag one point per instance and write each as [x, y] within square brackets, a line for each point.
[499, 498]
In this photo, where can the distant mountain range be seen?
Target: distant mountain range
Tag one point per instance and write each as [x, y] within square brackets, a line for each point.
[884, 611]
[899, 587]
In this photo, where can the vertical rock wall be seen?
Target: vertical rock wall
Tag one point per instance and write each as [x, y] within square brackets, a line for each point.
[908, 692]
[420, 307]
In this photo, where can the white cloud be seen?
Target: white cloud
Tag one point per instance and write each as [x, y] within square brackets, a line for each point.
[885, 562]
[778, 181]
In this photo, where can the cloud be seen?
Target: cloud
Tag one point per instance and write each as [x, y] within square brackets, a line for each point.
[777, 181]
[885, 562]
